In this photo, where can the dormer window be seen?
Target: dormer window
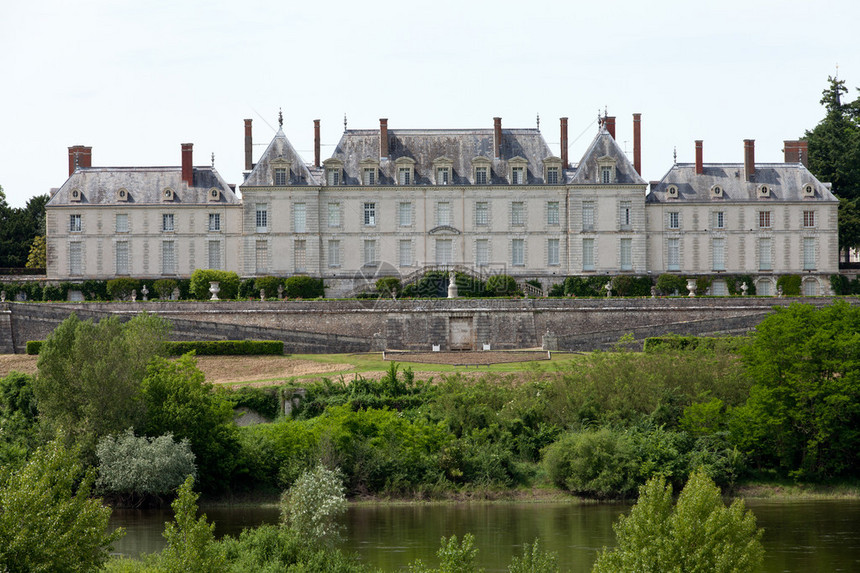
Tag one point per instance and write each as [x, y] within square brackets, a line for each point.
[280, 176]
[168, 194]
[764, 191]
[672, 192]
[75, 196]
[122, 195]
[280, 172]
[717, 192]
[552, 170]
[333, 170]
[519, 169]
[606, 170]
[808, 190]
[552, 175]
[405, 170]
[481, 170]
[369, 171]
[442, 168]
[214, 195]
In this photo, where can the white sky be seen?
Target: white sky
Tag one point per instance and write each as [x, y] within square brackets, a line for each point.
[134, 80]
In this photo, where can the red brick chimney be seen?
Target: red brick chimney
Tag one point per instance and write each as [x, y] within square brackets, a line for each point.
[187, 165]
[80, 156]
[383, 138]
[749, 159]
[316, 143]
[564, 163]
[637, 142]
[609, 122]
[700, 167]
[497, 137]
[249, 147]
[796, 151]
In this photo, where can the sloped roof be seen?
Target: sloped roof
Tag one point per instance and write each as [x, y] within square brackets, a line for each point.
[99, 185]
[280, 148]
[784, 180]
[460, 146]
[604, 145]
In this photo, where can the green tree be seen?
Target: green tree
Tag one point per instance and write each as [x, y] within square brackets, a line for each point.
[454, 557]
[803, 413]
[312, 507]
[191, 544]
[48, 522]
[177, 399]
[18, 228]
[37, 257]
[90, 375]
[699, 535]
[534, 560]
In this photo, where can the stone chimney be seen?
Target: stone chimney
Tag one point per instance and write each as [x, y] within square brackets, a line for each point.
[700, 167]
[749, 159]
[497, 137]
[796, 151]
[316, 143]
[80, 156]
[564, 163]
[187, 164]
[637, 142]
[609, 122]
[249, 147]
[383, 138]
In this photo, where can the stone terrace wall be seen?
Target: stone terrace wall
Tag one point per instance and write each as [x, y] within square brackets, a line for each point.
[361, 325]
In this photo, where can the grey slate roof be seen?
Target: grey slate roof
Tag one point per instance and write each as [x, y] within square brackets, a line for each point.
[461, 146]
[99, 185]
[604, 145]
[785, 181]
[280, 148]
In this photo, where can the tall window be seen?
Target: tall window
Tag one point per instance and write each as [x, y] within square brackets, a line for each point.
[167, 222]
[333, 253]
[481, 175]
[280, 175]
[261, 256]
[404, 175]
[121, 223]
[75, 223]
[334, 214]
[552, 175]
[482, 252]
[808, 253]
[810, 287]
[518, 252]
[168, 258]
[214, 254]
[624, 215]
[443, 213]
[518, 175]
[719, 254]
[552, 217]
[552, 252]
[674, 220]
[370, 214]
[444, 251]
[369, 176]
[673, 254]
[588, 216]
[719, 220]
[482, 213]
[605, 175]
[765, 254]
[332, 176]
[442, 175]
[369, 251]
[518, 213]
[214, 222]
[626, 254]
[122, 258]
[588, 254]
[300, 255]
[75, 259]
[764, 219]
[405, 254]
[404, 214]
[300, 218]
[262, 217]
[809, 219]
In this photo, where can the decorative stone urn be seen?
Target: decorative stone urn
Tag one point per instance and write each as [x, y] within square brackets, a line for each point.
[691, 286]
[214, 288]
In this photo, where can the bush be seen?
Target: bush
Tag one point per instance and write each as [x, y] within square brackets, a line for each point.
[34, 346]
[274, 455]
[246, 288]
[138, 467]
[598, 463]
[586, 286]
[228, 282]
[840, 284]
[313, 505]
[191, 544]
[164, 288]
[226, 347]
[269, 285]
[434, 284]
[669, 284]
[674, 342]
[556, 290]
[16, 392]
[790, 284]
[58, 292]
[628, 285]
[303, 286]
[454, 557]
[95, 290]
[388, 286]
[263, 401]
[120, 289]
[502, 285]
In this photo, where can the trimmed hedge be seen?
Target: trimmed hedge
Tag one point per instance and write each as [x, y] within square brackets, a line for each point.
[34, 346]
[226, 347]
[790, 284]
[228, 282]
[675, 342]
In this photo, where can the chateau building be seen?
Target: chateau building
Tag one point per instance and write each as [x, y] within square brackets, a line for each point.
[392, 202]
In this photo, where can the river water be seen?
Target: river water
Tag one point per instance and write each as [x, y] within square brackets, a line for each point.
[800, 536]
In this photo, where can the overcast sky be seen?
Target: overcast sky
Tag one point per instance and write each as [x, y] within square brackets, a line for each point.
[134, 80]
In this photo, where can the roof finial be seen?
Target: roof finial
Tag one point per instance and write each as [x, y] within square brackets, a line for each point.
[344, 121]
[675, 155]
[538, 121]
[213, 159]
[280, 118]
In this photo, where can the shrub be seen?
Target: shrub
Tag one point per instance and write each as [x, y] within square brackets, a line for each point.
[669, 284]
[303, 286]
[586, 286]
[556, 290]
[388, 286]
[454, 557]
[674, 342]
[534, 560]
[95, 290]
[226, 347]
[16, 392]
[264, 401]
[120, 289]
[313, 505]
[628, 285]
[502, 285]
[840, 284]
[269, 285]
[598, 463]
[790, 284]
[228, 282]
[434, 284]
[164, 288]
[137, 467]
[34, 346]
[468, 285]
[246, 288]
[191, 544]
[56, 292]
